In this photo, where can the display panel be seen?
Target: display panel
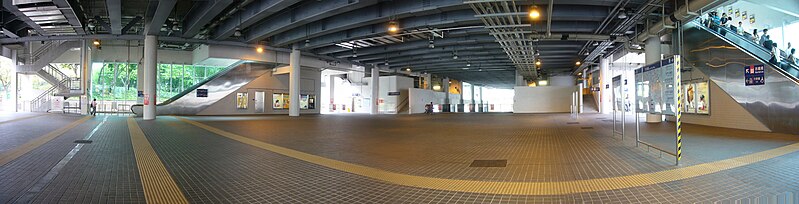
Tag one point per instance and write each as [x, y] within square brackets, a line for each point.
[689, 98]
[696, 97]
[241, 100]
[281, 101]
[278, 101]
[303, 101]
[656, 89]
[702, 98]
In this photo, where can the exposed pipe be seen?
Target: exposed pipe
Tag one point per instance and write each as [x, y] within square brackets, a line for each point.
[549, 17]
[681, 14]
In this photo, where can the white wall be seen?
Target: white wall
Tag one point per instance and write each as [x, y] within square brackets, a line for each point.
[417, 98]
[392, 104]
[310, 83]
[543, 99]
[562, 81]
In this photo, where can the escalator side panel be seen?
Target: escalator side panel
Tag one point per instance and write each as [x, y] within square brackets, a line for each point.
[220, 86]
[775, 104]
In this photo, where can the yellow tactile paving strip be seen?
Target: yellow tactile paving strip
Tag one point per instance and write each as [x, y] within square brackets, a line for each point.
[514, 188]
[159, 187]
[33, 144]
[22, 118]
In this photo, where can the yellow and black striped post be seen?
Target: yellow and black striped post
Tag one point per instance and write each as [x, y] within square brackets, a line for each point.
[678, 114]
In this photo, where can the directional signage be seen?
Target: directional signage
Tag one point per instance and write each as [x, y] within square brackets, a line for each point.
[755, 75]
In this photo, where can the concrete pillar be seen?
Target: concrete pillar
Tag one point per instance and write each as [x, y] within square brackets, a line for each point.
[605, 86]
[294, 81]
[150, 75]
[474, 101]
[445, 87]
[428, 81]
[652, 51]
[85, 78]
[520, 79]
[332, 85]
[482, 102]
[375, 85]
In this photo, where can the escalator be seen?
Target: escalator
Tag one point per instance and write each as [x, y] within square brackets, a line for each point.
[722, 55]
[218, 86]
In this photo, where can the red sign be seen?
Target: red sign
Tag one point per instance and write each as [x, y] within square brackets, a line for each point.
[146, 99]
[492, 106]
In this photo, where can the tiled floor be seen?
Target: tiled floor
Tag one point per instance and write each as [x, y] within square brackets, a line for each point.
[211, 168]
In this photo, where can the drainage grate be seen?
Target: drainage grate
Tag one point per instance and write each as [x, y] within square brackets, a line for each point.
[83, 141]
[489, 163]
[572, 123]
[586, 128]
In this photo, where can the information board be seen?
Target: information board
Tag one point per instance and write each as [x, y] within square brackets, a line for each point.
[755, 75]
[655, 87]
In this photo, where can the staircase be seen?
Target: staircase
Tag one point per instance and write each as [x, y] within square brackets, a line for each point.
[46, 54]
[61, 86]
[38, 62]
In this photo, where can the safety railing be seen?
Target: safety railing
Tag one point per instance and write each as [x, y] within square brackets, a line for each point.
[43, 49]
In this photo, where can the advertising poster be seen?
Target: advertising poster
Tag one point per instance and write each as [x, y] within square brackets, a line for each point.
[689, 99]
[303, 101]
[278, 101]
[702, 98]
[312, 102]
[286, 101]
[241, 100]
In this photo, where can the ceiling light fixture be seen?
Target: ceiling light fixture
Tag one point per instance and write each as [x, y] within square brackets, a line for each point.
[534, 12]
[237, 33]
[432, 44]
[393, 27]
[578, 63]
[259, 49]
[407, 69]
[96, 42]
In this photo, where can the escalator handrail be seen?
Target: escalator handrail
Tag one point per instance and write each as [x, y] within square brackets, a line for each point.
[777, 67]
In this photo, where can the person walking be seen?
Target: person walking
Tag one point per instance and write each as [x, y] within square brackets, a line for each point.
[94, 107]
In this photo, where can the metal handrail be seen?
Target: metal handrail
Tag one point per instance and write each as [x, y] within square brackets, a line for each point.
[43, 49]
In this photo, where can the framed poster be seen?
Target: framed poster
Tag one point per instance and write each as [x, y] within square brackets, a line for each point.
[286, 101]
[702, 98]
[304, 101]
[689, 98]
[312, 102]
[241, 100]
[277, 101]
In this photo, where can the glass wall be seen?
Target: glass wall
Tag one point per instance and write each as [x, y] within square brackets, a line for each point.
[117, 82]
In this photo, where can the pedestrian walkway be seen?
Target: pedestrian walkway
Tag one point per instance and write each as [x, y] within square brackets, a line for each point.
[477, 158]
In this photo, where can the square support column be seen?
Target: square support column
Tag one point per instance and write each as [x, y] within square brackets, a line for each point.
[294, 81]
[375, 86]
